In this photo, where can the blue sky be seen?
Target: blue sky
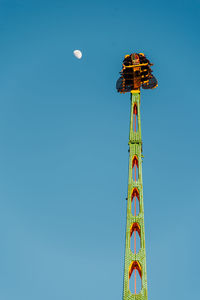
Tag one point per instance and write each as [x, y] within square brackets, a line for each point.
[64, 153]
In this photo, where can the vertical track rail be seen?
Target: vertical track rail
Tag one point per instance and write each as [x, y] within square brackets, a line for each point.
[135, 232]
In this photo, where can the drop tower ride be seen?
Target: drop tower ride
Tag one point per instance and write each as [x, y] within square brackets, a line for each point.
[136, 73]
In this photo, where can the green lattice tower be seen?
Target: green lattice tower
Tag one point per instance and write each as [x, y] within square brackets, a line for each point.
[135, 263]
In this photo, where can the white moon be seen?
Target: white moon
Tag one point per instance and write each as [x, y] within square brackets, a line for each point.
[77, 54]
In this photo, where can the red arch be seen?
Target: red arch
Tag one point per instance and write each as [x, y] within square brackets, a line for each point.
[135, 113]
[135, 161]
[135, 110]
[135, 265]
[135, 227]
[135, 193]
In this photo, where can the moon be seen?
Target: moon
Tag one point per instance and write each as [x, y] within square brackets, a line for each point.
[77, 54]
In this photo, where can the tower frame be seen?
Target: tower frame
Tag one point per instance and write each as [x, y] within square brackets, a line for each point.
[135, 262]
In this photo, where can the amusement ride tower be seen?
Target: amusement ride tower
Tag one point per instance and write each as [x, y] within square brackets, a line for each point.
[136, 73]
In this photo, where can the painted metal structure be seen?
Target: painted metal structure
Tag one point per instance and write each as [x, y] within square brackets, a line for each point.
[135, 262]
[136, 73]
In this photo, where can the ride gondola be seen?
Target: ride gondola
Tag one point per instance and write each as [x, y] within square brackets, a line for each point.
[136, 72]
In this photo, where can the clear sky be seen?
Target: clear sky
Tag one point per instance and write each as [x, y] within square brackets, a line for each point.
[64, 147]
